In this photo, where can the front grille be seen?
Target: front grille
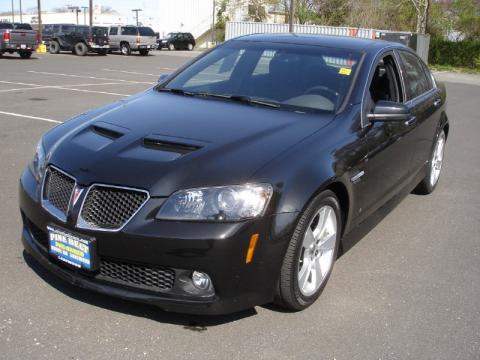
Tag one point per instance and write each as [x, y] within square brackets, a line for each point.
[110, 208]
[137, 275]
[58, 189]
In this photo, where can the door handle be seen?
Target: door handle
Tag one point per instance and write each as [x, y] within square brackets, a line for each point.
[411, 121]
[437, 102]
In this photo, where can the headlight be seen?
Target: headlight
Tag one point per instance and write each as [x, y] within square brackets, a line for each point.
[37, 166]
[222, 203]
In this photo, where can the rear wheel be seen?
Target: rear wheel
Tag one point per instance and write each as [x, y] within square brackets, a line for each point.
[311, 253]
[125, 49]
[190, 47]
[171, 47]
[54, 47]
[80, 49]
[25, 54]
[143, 52]
[435, 164]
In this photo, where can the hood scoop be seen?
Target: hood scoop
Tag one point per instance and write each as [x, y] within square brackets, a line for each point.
[169, 146]
[107, 132]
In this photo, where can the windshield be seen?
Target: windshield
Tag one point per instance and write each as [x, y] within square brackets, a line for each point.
[287, 75]
[5, 26]
[145, 31]
[99, 31]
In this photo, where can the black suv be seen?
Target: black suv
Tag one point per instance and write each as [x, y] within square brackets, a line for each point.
[177, 41]
[76, 38]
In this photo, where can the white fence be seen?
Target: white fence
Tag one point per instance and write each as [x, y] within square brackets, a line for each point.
[235, 29]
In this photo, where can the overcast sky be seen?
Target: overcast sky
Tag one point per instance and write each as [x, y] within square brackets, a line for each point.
[124, 7]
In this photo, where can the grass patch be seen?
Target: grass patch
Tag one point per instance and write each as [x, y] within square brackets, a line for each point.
[458, 69]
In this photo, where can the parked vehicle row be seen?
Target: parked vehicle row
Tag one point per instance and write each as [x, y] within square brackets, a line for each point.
[17, 38]
[21, 38]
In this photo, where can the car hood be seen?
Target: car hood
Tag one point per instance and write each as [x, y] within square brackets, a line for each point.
[165, 142]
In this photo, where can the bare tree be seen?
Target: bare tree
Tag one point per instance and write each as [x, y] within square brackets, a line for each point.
[421, 7]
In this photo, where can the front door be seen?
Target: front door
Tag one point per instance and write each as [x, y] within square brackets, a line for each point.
[390, 144]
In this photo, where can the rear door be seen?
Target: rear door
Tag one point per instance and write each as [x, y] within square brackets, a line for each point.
[424, 100]
[147, 37]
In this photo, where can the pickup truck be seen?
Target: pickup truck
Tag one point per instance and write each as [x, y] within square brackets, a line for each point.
[19, 38]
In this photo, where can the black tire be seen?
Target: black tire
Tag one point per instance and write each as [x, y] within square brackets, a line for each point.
[80, 49]
[289, 295]
[190, 47]
[125, 49]
[143, 52]
[425, 186]
[54, 47]
[25, 54]
[171, 47]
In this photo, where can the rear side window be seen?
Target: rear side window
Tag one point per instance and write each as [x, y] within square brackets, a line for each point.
[68, 29]
[113, 31]
[130, 30]
[6, 26]
[416, 81]
[145, 31]
[23, 27]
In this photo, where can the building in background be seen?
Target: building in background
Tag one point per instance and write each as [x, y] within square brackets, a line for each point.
[254, 10]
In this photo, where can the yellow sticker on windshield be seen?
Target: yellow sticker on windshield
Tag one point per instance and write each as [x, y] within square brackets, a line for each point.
[345, 71]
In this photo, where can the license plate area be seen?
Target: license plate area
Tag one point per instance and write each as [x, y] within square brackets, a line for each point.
[74, 250]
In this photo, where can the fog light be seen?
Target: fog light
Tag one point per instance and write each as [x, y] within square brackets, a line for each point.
[200, 280]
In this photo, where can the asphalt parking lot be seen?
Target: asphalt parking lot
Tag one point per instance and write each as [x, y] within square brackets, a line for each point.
[410, 289]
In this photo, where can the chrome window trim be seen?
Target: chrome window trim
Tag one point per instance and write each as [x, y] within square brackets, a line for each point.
[47, 205]
[82, 224]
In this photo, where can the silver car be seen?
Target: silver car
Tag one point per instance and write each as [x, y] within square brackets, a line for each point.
[132, 38]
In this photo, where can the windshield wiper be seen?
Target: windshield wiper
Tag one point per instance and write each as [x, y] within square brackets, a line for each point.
[239, 98]
[177, 91]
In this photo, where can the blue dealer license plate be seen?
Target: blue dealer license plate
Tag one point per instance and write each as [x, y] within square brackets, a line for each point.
[74, 250]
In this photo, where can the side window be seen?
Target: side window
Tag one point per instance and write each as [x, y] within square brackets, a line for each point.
[416, 81]
[113, 31]
[385, 83]
[129, 30]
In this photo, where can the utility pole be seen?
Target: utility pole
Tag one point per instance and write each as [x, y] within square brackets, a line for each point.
[136, 13]
[39, 8]
[76, 9]
[13, 13]
[213, 22]
[292, 15]
[21, 17]
[90, 4]
[84, 14]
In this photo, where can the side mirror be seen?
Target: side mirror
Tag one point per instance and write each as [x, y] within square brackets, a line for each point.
[389, 111]
[163, 77]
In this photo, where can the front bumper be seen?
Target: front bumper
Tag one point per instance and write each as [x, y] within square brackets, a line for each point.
[216, 249]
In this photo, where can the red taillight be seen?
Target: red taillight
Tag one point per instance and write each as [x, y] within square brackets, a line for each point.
[138, 39]
[6, 36]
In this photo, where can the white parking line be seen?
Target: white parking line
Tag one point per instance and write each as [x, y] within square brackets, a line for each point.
[65, 87]
[30, 117]
[89, 77]
[130, 72]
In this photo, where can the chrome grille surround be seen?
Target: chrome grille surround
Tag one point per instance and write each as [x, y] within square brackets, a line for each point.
[109, 207]
[56, 193]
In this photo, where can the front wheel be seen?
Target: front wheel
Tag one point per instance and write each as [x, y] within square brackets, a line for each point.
[311, 253]
[190, 47]
[80, 49]
[435, 164]
[171, 47]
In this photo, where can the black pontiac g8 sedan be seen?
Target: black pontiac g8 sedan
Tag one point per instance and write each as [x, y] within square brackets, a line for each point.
[267, 152]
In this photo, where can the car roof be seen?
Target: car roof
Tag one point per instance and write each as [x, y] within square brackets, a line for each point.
[345, 42]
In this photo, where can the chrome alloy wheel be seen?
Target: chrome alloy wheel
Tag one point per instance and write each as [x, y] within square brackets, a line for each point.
[437, 159]
[318, 248]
